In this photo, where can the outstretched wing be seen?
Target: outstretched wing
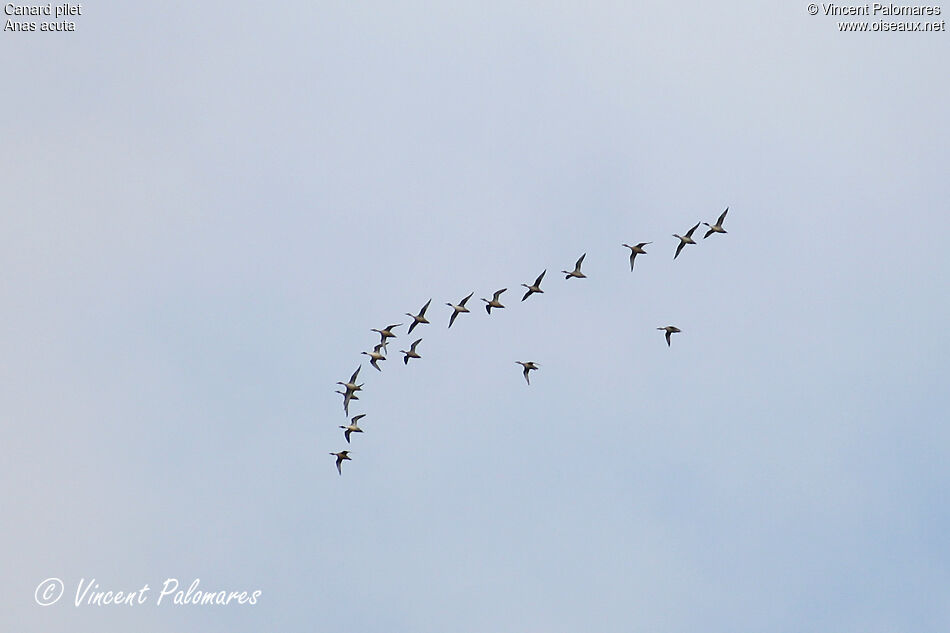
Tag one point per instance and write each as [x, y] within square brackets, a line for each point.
[722, 217]
[467, 298]
[679, 248]
[537, 282]
[689, 233]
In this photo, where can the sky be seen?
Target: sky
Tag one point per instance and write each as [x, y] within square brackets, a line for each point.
[207, 207]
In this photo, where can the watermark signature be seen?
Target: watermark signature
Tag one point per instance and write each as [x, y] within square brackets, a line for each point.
[888, 17]
[89, 593]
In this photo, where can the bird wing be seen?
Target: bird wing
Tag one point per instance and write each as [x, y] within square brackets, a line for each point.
[580, 261]
[679, 248]
[422, 312]
[467, 298]
[416, 342]
[708, 233]
[689, 233]
[346, 434]
[537, 282]
[357, 418]
[527, 294]
[339, 460]
[455, 313]
[722, 217]
[633, 256]
[355, 374]
[668, 334]
[498, 294]
[526, 370]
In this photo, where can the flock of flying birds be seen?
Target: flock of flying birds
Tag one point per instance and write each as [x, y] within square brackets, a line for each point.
[350, 387]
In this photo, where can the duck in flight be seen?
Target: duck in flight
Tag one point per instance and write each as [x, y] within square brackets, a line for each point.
[670, 330]
[419, 318]
[459, 309]
[342, 455]
[386, 333]
[375, 356]
[494, 303]
[411, 353]
[717, 227]
[684, 240]
[528, 366]
[351, 388]
[577, 269]
[637, 250]
[535, 287]
[352, 427]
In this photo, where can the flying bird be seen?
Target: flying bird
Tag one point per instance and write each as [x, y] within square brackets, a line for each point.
[637, 250]
[343, 393]
[494, 303]
[375, 356]
[351, 389]
[535, 287]
[386, 333]
[419, 318]
[460, 308]
[717, 227]
[577, 269]
[685, 239]
[342, 455]
[411, 353]
[352, 427]
[528, 366]
[670, 330]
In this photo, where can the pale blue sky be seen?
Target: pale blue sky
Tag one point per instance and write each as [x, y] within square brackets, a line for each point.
[207, 206]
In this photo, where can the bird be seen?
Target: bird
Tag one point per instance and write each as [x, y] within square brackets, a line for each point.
[411, 353]
[670, 330]
[494, 303]
[342, 455]
[352, 427]
[375, 356]
[717, 227]
[351, 389]
[528, 366]
[535, 287]
[419, 318]
[684, 240]
[577, 269]
[460, 308]
[636, 250]
[343, 393]
[386, 333]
